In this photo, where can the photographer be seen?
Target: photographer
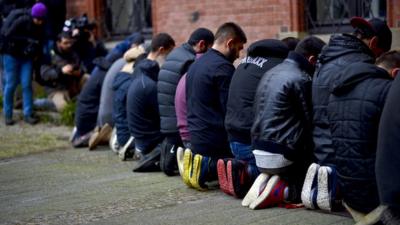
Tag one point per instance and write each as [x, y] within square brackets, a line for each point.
[87, 46]
[22, 41]
[63, 76]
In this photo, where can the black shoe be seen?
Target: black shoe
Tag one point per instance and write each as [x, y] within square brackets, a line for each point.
[149, 162]
[81, 141]
[32, 120]
[9, 121]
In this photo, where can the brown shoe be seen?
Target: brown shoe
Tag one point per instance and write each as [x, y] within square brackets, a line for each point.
[100, 136]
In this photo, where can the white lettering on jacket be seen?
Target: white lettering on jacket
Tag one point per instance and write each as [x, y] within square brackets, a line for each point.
[258, 61]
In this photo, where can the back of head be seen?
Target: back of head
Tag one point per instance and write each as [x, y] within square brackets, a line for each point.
[230, 31]
[367, 30]
[310, 46]
[291, 42]
[201, 34]
[163, 40]
[135, 38]
[389, 60]
[64, 35]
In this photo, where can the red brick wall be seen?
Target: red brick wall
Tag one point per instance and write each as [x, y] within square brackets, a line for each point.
[93, 8]
[258, 18]
[393, 9]
[77, 8]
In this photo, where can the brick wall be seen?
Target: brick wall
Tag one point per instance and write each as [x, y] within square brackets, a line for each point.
[93, 8]
[77, 8]
[393, 9]
[258, 18]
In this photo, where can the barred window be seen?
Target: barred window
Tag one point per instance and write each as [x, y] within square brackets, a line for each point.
[333, 16]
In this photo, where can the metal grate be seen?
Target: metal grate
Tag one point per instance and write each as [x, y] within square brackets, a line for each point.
[333, 16]
[127, 16]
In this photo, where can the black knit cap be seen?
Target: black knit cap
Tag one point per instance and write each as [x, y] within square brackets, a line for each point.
[201, 34]
[374, 27]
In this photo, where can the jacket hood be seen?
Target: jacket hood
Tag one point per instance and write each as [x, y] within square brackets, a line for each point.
[120, 79]
[268, 48]
[148, 68]
[189, 48]
[355, 73]
[133, 53]
[343, 44]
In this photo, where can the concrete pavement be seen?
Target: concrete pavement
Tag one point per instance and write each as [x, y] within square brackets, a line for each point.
[61, 185]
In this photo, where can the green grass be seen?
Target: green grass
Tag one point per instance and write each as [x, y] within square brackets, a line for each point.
[68, 114]
[25, 143]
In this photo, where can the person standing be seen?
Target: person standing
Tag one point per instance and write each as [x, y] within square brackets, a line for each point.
[23, 44]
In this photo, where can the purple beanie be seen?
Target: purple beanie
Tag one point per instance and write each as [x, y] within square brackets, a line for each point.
[39, 10]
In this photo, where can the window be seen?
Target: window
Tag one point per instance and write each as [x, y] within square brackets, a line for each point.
[332, 16]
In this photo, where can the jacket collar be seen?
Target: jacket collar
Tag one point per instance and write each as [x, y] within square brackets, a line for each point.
[303, 63]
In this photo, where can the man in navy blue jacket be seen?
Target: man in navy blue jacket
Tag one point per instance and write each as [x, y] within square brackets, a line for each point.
[207, 87]
[142, 105]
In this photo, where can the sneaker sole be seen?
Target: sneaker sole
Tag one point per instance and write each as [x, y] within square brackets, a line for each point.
[230, 171]
[113, 142]
[122, 152]
[73, 133]
[264, 194]
[306, 197]
[254, 191]
[179, 160]
[323, 199]
[222, 176]
[187, 167]
[196, 170]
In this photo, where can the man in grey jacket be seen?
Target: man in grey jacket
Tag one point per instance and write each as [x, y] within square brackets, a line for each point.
[176, 64]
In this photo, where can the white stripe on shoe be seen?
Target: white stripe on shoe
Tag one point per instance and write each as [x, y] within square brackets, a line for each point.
[254, 191]
[122, 152]
[323, 195]
[306, 196]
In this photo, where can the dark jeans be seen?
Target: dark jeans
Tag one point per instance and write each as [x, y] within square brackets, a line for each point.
[214, 154]
[244, 152]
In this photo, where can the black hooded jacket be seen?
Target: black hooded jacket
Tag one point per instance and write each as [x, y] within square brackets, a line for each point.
[354, 110]
[142, 104]
[175, 65]
[22, 38]
[341, 51]
[388, 155]
[283, 109]
[261, 57]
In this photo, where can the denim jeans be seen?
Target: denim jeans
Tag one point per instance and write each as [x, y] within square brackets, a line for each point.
[17, 70]
[244, 152]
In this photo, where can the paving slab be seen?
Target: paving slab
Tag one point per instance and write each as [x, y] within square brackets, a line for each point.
[62, 185]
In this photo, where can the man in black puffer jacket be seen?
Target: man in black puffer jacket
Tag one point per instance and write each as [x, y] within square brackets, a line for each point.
[369, 40]
[261, 57]
[354, 110]
[281, 134]
[176, 64]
